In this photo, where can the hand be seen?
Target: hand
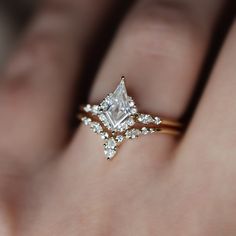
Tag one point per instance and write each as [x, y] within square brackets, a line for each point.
[56, 183]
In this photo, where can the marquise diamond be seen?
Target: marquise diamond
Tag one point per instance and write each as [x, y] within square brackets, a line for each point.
[145, 118]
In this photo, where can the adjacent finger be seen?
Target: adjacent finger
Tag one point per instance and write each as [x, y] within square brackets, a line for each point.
[212, 131]
[38, 86]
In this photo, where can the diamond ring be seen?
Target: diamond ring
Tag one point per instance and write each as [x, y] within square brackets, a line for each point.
[117, 119]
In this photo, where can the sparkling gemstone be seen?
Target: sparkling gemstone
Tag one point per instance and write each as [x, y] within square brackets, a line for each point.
[104, 104]
[133, 133]
[95, 109]
[131, 102]
[157, 120]
[96, 127]
[123, 126]
[104, 135]
[102, 117]
[86, 120]
[87, 108]
[133, 110]
[110, 148]
[144, 131]
[128, 134]
[119, 109]
[145, 119]
[151, 130]
[119, 138]
[109, 153]
[111, 143]
[130, 121]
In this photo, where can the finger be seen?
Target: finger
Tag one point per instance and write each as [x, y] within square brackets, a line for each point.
[212, 131]
[39, 82]
[164, 45]
[160, 49]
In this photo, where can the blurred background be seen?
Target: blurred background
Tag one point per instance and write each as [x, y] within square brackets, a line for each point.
[14, 14]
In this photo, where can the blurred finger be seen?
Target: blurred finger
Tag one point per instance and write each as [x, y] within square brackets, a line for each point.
[212, 131]
[39, 82]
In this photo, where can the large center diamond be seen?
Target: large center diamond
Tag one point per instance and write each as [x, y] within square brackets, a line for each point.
[120, 107]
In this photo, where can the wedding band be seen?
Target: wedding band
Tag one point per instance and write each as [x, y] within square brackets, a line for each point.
[117, 119]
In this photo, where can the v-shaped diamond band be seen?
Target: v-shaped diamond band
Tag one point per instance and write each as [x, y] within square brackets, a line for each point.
[116, 119]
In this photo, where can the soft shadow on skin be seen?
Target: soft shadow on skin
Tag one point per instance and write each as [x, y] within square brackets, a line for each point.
[14, 16]
[19, 11]
[221, 29]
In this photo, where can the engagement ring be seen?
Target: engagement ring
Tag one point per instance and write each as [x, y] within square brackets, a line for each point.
[117, 119]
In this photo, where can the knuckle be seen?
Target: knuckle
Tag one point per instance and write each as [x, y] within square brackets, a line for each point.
[44, 49]
[39, 53]
[159, 30]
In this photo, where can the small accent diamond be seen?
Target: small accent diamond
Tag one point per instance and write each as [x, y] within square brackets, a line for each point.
[104, 105]
[131, 102]
[130, 121]
[104, 135]
[102, 117]
[110, 148]
[87, 108]
[96, 110]
[86, 120]
[134, 110]
[96, 127]
[132, 133]
[144, 131]
[145, 119]
[157, 120]
[151, 130]
[119, 138]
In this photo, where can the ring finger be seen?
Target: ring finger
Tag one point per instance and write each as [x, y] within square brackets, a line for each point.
[160, 49]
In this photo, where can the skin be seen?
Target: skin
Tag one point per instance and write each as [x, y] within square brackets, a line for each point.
[53, 183]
